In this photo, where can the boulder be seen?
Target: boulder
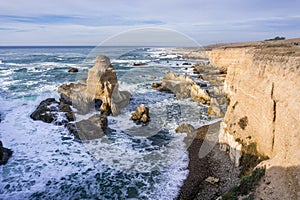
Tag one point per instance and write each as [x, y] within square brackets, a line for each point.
[141, 114]
[73, 69]
[51, 110]
[101, 84]
[89, 129]
[198, 94]
[5, 154]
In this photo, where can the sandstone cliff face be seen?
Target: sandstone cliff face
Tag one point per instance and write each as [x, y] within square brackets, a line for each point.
[263, 85]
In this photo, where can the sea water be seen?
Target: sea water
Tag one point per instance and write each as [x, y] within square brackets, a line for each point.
[130, 162]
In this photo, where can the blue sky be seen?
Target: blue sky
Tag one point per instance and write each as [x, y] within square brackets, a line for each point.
[89, 22]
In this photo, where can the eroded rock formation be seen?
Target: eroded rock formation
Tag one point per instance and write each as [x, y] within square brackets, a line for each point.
[98, 92]
[182, 86]
[101, 86]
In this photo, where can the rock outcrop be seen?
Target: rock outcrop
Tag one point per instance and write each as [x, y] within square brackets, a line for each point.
[5, 154]
[182, 86]
[89, 129]
[263, 83]
[141, 114]
[98, 92]
[52, 111]
[101, 88]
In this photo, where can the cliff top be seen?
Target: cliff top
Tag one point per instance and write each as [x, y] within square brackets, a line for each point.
[275, 47]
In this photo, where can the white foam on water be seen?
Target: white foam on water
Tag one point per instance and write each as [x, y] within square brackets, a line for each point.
[150, 159]
[39, 154]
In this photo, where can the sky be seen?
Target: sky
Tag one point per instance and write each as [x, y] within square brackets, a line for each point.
[94, 22]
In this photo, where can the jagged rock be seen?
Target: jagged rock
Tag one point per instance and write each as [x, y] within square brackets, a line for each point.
[5, 154]
[185, 128]
[182, 86]
[199, 95]
[51, 110]
[72, 70]
[89, 129]
[59, 113]
[159, 87]
[101, 84]
[141, 114]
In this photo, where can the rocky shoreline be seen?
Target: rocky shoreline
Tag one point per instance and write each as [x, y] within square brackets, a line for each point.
[224, 82]
[99, 92]
[216, 166]
[262, 119]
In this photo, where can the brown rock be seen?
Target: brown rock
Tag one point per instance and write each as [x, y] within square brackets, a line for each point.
[141, 114]
[72, 70]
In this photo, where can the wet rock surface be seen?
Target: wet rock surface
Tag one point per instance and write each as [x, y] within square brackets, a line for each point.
[89, 129]
[141, 114]
[73, 70]
[5, 154]
[52, 111]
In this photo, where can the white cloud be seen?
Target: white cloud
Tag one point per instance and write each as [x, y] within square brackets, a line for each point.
[89, 22]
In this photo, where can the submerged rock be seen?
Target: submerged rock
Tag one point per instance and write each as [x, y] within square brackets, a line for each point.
[141, 114]
[5, 154]
[101, 84]
[72, 70]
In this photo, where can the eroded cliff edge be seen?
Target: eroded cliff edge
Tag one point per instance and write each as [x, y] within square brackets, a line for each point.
[263, 85]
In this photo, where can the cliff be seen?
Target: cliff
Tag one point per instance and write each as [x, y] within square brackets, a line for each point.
[263, 86]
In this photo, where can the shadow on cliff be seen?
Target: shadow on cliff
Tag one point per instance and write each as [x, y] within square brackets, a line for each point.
[215, 164]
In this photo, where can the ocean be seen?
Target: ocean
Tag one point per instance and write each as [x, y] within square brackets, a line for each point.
[130, 162]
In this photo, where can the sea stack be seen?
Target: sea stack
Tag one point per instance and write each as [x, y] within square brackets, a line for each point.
[102, 86]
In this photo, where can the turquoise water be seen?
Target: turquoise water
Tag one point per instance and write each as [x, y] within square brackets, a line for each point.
[129, 162]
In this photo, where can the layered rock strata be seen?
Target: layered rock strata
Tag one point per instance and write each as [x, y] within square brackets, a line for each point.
[263, 84]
